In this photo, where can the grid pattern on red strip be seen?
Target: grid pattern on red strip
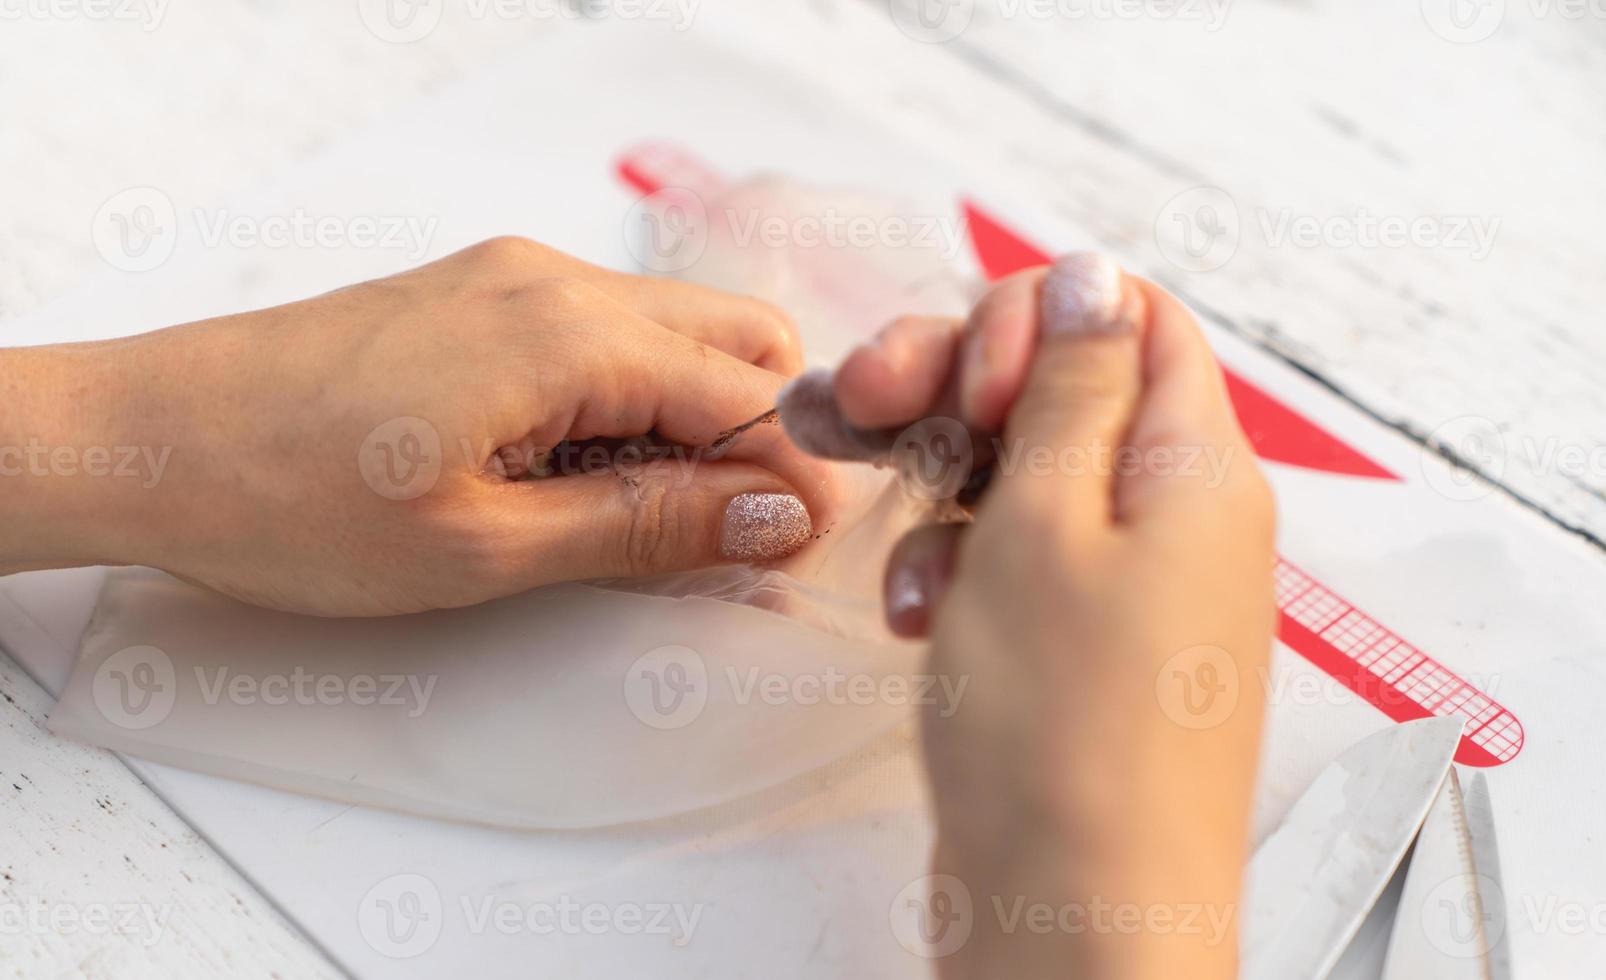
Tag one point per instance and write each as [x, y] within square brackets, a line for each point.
[1396, 663]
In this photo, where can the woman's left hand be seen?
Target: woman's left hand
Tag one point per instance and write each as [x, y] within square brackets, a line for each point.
[358, 453]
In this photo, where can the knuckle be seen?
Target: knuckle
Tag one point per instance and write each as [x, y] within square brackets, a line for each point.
[561, 293]
[1061, 402]
[564, 298]
[779, 326]
[507, 255]
[651, 540]
[1091, 388]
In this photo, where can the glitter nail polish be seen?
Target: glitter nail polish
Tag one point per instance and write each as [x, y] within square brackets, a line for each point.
[1082, 295]
[763, 527]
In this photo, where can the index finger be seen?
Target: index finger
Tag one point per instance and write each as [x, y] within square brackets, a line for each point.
[744, 327]
[638, 376]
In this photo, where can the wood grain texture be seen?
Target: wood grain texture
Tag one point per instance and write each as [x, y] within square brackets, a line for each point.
[99, 879]
[1332, 112]
[1297, 111]
[1101, 111]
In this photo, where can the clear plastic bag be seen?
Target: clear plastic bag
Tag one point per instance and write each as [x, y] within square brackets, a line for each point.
[568, 706]
[574, 705]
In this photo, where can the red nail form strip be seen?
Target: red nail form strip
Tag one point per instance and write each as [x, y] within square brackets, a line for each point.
[1395, 677]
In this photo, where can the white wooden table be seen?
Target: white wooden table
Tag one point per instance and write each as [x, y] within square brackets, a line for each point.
[1312, 132]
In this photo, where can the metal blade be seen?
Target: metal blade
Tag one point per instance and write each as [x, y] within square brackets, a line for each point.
[1311, 882]
[1441, 931]
[1486, 859]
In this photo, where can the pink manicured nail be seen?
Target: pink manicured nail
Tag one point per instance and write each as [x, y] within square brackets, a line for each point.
[908, 600]
[813, 421]
[1082, 295]
[764, 527]
[918, 572]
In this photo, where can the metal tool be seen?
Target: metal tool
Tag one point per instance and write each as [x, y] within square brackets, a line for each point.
[1313, 881]
[1451, 920]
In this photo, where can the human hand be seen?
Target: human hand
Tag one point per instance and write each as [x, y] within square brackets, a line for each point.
[1086, 589]
[359, 453]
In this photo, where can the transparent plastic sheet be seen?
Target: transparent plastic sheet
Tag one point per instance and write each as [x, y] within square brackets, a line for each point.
[845, 263]
[575, 705]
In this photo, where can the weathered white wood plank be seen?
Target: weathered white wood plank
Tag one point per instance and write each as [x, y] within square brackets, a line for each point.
[99, 879]
[1102, 110]
[1332, 112]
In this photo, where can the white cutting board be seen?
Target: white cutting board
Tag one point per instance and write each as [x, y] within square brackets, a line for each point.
[800, 881]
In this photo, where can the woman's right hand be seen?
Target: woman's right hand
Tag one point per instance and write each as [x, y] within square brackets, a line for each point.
[1110, 610]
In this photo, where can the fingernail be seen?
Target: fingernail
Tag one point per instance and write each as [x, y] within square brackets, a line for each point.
[813, 421]
[908, 600]
[918, 572]
[1082, 295]
[763, 527]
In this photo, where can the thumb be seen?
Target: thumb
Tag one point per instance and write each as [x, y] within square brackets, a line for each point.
[667, 515]
[1083, 388]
